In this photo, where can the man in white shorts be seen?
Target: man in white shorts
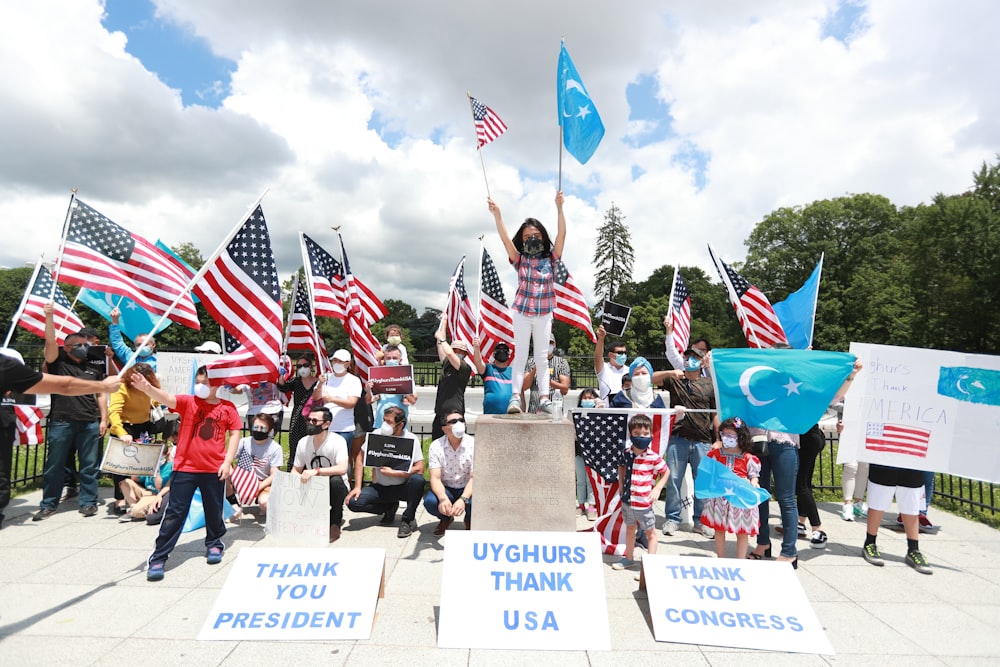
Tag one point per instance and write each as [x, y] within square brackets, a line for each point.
[907, 486]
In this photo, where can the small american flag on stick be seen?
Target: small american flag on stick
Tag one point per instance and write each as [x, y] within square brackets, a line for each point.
[488, 123]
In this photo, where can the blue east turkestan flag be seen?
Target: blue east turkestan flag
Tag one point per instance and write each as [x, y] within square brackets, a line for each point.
[972, 385]
[715, 480]
[779, 390]
[582, 128]
[797, 312]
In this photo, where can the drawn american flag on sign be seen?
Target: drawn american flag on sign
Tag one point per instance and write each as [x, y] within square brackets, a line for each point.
[897, 439]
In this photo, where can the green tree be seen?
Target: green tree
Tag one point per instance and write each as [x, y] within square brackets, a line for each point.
[613, 256]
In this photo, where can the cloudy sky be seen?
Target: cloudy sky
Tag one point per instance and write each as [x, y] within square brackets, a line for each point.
[172, 116]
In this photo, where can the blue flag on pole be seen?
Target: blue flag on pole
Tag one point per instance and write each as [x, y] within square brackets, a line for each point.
[582, 128]
[780, 390]
[798, 311]
[715, 480]
[133, 321]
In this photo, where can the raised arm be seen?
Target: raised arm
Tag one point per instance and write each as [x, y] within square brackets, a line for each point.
[477, 356]
[599, 350]
[508, 245]
[557, 248]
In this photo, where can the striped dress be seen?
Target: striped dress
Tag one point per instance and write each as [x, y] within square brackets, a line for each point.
[718, 513]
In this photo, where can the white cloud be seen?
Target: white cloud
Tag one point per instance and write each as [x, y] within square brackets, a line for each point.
[784, 116]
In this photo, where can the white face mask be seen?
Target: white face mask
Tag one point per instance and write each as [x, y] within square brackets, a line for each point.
[304, 372]
[339, 369]
[458, 429]
[641, 383]
[386, 428]
[202, 390]
[395, 340]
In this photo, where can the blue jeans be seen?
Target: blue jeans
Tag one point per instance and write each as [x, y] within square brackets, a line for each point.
[63, 437]
[379, 499]
[782, 461]
[928, 490]
[431, 502]
[182, 488]
[681, 452]
[584, 491]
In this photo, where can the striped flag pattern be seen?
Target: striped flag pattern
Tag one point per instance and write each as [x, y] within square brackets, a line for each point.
[680, 313]
[571, 307]
[104, 256]
[897, 439]
[242, 293]
[462, 324]
[327, 277]
[29, 424]
[363, 309]
[244, 479]
[302, 333]
[495, 323]
[488, 123]
[759, 323]
[33, 316]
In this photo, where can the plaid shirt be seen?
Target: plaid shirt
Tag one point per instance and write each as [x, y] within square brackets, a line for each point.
[536, 293]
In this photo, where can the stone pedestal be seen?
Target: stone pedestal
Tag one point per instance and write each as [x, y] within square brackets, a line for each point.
[525, 474]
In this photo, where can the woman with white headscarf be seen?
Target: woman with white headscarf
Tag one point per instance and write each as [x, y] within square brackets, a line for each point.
[640, 394]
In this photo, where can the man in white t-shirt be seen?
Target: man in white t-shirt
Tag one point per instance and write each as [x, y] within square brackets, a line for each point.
[610, 372]
[339, 394]
[323, 452]
[390, 486]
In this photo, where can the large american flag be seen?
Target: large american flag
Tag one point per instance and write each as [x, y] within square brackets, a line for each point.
[571, 307]
[33, 315]
[363, 309]
[29, 424]
[462, 324]
[760, 325]
[302, 334]
[680, 312]
[897, 439]
[101, 255]
[241, 291]
[603, 435]
[244, 478]
[495, 323]
[488, 123]
[327, 280]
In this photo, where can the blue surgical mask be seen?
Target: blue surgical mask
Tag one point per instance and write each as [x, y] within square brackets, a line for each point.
[588, 403]
[641, 441]
[692, 364]
[392, 362]
[620, 359]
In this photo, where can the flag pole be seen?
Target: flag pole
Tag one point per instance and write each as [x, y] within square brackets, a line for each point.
[321, 362]
[819, 278]
[479, 301]
[670, 304]
[71, 306]
[198, 276]
[291, 311]
[479, 149]
[562, 44]
[62, 244]
[24, 300]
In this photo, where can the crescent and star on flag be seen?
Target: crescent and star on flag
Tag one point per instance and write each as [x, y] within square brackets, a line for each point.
[792, 387]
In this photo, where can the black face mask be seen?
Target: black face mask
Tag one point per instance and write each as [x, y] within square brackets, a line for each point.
[259, 435]
[501, 355]
[314, 429]
[79, 352]
[534, 247]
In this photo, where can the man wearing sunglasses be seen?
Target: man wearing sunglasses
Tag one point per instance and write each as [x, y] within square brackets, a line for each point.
[323, 452]
[450, 461]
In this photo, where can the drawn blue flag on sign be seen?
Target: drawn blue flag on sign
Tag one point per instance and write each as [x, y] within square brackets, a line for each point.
[798, 312]
[972, 385]
[779, 390]
[582, 128]
[715, 480]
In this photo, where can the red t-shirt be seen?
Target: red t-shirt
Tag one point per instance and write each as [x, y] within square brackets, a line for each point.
[201, 443]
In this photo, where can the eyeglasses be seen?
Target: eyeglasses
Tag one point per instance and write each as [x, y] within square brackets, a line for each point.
[315, 421]
[455, 420]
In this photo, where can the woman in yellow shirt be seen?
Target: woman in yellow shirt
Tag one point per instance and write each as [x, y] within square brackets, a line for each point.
[129, 419]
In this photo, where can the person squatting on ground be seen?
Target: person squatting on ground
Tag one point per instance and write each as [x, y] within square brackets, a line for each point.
[733, 451]
[450, 461]
[533, 254]
[203, 459]
[642, 476]
[323, 452]
[268, 458]
[129, 419]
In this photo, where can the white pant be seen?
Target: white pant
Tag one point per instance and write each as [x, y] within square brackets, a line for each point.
[854, 480]
[539, 330]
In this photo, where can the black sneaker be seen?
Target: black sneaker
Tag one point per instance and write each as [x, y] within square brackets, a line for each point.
[389, 517]
[406, 528]
[42, 514]
[916, 560]
[818, 539]
[872, 554]
[88, 510]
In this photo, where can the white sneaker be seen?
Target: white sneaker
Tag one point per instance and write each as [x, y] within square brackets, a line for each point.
[670, 527]
[848, 512]
[237, 515]
[514, 405]
[861, 509]
[703, 530]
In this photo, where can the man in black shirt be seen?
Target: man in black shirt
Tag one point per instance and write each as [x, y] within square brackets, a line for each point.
[455, 374]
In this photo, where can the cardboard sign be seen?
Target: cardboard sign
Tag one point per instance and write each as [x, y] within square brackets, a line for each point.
[925, 410]
[614, 319]
[389, 450]
[729, 602]
[521, 590]
[121, 458]
[391, 379]
[298, 594]
[299, 513]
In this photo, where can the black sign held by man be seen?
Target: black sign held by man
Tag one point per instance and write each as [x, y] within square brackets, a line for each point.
[614, 319]
[388, 450]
